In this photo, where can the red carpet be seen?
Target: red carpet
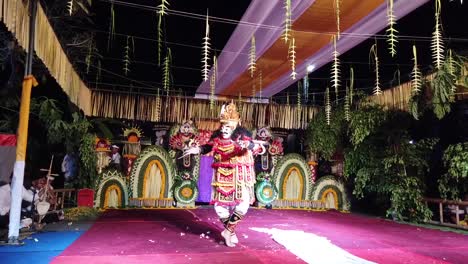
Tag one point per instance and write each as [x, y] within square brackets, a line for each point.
[173, 236]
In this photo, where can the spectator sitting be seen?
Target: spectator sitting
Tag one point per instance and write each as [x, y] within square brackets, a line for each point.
[115, 158]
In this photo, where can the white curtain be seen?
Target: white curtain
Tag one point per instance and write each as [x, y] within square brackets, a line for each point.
[293, 186]
[330, 201]
[153, 183]
[113, 199]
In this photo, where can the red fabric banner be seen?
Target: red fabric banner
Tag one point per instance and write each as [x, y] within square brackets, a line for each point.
[7, 140]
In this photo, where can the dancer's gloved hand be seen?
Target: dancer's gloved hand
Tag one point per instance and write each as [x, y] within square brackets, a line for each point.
[190, 151]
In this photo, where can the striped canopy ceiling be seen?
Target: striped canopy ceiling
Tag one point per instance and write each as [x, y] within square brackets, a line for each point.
[314, 24]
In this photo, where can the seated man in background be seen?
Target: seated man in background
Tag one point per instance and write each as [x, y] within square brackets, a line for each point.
[116, 158]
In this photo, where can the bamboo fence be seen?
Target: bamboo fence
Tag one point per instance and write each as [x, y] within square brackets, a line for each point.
[14, 14]
[180, 109]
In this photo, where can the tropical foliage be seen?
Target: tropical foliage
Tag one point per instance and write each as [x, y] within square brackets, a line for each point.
[384, 160]
[455, 181]
[324, 139]
[439, 93]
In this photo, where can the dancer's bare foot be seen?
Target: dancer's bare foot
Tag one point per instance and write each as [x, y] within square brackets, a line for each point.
[226, 234]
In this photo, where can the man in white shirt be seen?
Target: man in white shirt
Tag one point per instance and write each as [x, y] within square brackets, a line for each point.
[115, 157]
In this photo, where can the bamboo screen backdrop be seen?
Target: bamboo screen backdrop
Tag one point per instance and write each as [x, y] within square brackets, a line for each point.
[14, 14]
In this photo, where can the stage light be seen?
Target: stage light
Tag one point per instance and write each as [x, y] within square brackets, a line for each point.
[310, 68]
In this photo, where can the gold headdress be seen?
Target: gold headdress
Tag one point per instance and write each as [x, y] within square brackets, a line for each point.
[229, 115]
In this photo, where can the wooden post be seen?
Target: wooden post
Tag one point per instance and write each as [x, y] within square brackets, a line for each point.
[441, 213]
[457, 216]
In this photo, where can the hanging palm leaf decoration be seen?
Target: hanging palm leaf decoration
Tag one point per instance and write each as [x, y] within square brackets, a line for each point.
[452, 68]
[347, 105]
[327, 106]
[306, 87]
[292, 58]
[287, 21]
[70, 7]
[351, 85]
[254, 91]
[287, 98]
[437, 45]
[167, 72]
[111, 27]
[373, 56]
[337, 15]
[206, 50]
[392, 38]
[416, 76]
[260, 84]
[335, 72]
[158, 106]
[213, 77]
[126, 57]
[98, 73]
[252, 57]
[89, 56]
[161, 11]
[299, 88]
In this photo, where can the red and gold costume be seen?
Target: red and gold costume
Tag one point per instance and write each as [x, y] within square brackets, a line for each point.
[234, 167]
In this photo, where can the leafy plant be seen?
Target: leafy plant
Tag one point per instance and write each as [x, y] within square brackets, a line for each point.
[455, 181]
[439, 93]
[364, 122]
[385, 162]
[324, 139]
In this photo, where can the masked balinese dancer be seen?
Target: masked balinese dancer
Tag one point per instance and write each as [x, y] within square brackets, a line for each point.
[234, 178]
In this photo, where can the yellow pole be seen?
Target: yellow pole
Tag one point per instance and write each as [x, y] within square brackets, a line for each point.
[28, 82]
[18, 172]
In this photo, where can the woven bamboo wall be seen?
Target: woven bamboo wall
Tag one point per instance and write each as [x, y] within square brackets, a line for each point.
[394, 98]
[14, 14]
[178, 109]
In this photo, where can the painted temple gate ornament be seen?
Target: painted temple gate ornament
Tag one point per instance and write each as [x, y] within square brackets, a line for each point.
[266, 161]
[183, 137]
[102, 153]
[265, 190]
[132, 147]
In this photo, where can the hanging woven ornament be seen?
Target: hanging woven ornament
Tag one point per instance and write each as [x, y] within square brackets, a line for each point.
[260, 84]
[70, 7]
[347, 105]
[351, 85]
[206, 50]
[416, 76]
[111, 35]
[373, 56]
[337, 16]
[306, 88]
[392, 38]
[214, 73]
[292, 58]
[130, 46]
[161, 12]
[252, 57]
[437, 45]
[327, 106]
[335, 71]
[167, 71]
[287, 21]
[299, 88]
[157, 115]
